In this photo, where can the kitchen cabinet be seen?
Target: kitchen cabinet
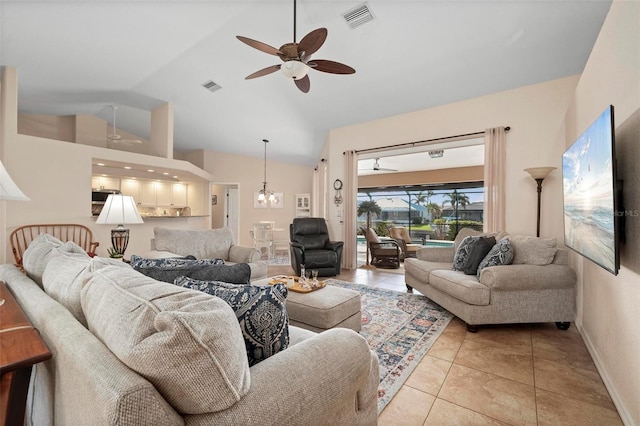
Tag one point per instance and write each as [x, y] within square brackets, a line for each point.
[303, 205]
[130, 187]
[104, 182]
[179, 195]
[163, 194]
[148, 193]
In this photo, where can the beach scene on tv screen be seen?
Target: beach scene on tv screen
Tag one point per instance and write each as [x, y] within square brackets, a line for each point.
[587, 180]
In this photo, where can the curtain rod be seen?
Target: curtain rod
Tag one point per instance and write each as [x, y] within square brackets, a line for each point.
[507, 128]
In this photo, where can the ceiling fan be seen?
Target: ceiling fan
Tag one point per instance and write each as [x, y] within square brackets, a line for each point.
[296, 57]
[115, 137]
[377, 168]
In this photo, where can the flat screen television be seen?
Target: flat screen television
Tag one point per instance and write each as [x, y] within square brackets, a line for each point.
[589, 186]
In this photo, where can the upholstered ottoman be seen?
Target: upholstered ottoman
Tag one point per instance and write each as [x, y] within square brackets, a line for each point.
[326, 308]
[322, 309]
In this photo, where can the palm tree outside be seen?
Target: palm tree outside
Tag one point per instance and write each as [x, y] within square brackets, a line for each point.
[369, 208]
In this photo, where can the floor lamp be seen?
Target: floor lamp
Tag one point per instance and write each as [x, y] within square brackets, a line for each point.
[539, 173]
[119, 210]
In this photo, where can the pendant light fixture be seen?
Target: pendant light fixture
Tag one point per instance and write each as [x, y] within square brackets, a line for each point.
[264, 193]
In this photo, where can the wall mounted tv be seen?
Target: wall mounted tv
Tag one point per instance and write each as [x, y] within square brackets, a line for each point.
[589, 187]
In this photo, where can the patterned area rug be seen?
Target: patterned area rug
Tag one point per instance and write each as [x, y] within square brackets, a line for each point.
[400, 328]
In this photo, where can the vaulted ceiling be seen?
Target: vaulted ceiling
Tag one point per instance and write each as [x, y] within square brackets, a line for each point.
[75, 57]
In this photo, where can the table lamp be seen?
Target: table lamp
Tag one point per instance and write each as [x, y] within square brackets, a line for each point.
[119, 210]
[8, 189]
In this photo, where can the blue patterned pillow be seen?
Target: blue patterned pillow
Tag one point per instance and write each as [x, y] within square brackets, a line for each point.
[500, 254]
[260, 310]
[171, 262]
[471, 252]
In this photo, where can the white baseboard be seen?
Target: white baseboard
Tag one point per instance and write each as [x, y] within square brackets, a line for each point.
[608, 383]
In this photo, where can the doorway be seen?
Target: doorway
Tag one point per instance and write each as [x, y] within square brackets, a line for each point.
[225, 207]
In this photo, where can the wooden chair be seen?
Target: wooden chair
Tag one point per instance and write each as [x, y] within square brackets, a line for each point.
[384, 253]
[79, 234]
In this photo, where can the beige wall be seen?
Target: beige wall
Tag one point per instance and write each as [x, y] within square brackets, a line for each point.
[608, 305]
[57, 177]
[248, 174]
[535, 114]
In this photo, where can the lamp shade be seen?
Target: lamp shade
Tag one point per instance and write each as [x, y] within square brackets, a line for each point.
[8, 189]
[294, 69]
[119, 210]
[539, 172]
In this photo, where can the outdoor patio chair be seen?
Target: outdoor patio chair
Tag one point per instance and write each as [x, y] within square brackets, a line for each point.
[401, 235]
[384, 253]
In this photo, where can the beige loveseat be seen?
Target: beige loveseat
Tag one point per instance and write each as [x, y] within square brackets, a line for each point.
[205, 244]
[129, 350]
[537, 287]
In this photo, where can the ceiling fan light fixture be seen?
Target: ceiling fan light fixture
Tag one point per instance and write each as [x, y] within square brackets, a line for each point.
[294, 69]
[437, 153]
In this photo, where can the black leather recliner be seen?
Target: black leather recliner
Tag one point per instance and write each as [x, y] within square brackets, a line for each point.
[310, 245]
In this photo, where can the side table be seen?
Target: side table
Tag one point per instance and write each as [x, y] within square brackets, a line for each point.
[20, 348]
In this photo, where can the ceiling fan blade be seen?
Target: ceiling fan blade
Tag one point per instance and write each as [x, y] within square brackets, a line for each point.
[331, 67]
[260, 46]
[264, 71]
[304, 84]
[312, 41]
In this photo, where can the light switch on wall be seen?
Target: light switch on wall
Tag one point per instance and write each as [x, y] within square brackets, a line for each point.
[339, 213]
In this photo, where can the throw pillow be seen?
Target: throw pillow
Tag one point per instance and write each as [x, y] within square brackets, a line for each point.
[185, 342]
[39, 253]
[239, 273]
[533, 250]
[471, 252]
[260, 310]
[170, 262]
[500, 254]
[63, 279]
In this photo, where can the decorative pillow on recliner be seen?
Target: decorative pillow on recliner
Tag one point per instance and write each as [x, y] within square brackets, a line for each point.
[240, 273]
[500, 254]
[260, 310]
[470, 253]
[171, 262]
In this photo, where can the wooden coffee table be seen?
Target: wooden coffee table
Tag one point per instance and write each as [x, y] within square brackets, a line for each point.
[20, 348]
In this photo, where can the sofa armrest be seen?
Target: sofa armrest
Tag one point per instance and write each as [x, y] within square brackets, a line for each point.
[528, 277]
[341, 388]
[243, 254]
[436, 254]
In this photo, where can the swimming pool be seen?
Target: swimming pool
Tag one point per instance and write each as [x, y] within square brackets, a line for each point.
[428, 243]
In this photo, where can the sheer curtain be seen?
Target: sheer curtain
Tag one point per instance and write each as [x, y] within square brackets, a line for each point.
[349, 253]
[319, 190]
[494, 178]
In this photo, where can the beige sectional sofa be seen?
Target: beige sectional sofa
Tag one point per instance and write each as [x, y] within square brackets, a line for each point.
[205, 244]
[537, 287]
[129, 350]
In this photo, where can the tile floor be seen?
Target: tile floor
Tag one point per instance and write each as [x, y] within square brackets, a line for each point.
[529, 374]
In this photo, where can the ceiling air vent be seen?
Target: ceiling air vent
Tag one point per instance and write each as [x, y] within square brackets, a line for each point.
[211, 86]
[359, 15]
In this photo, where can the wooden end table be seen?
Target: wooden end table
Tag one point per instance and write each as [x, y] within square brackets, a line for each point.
[20, 348]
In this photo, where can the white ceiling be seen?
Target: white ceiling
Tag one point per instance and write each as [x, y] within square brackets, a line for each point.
[75, 57]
